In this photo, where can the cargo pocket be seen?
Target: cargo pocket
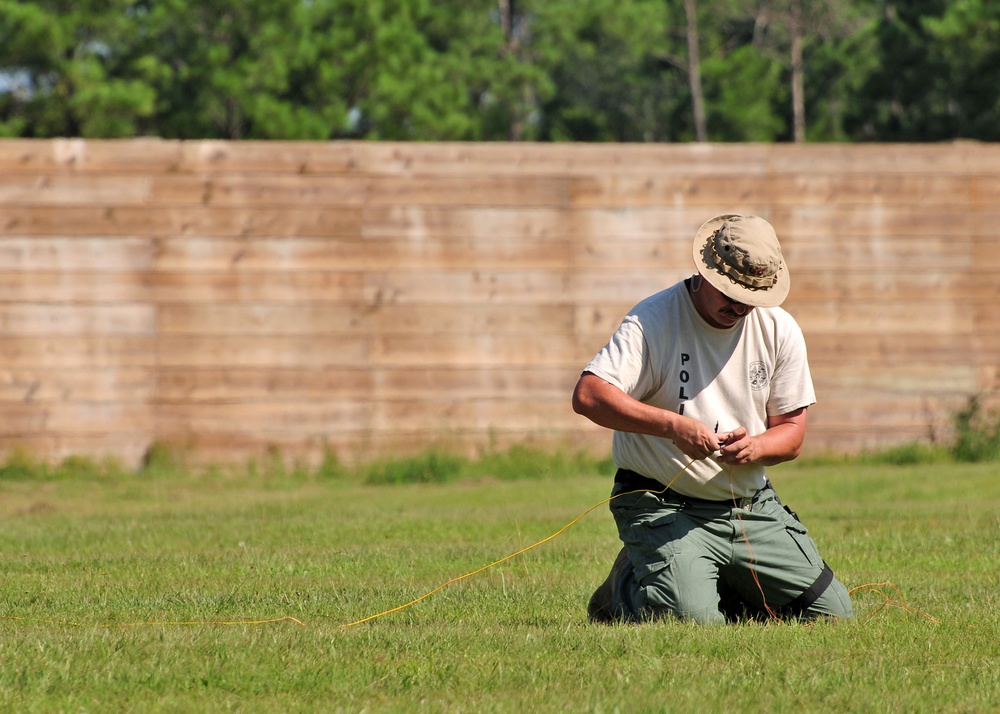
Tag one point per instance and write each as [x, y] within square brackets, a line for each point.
[652, 541]
[803, 541]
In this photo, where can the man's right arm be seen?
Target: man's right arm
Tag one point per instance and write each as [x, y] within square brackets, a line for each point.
[608, 406]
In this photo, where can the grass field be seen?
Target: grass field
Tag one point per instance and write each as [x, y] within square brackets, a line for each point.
[115, 587]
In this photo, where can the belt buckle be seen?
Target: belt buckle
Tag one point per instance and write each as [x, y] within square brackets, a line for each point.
[745, 502]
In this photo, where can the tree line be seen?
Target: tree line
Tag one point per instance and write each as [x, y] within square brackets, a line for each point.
[501, 70]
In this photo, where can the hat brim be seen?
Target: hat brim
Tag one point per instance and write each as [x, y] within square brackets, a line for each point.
[702, 253]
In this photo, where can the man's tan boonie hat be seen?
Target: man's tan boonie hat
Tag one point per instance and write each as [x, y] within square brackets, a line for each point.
[741, 258]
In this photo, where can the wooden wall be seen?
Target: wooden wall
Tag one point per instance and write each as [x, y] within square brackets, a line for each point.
[377, 297]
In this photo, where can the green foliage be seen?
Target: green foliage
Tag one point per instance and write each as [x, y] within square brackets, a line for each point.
[20, 465]
[909, 454]
[965, 43]
[563, 70]
[744, 90]
[607, 60]
[331, 468]
[516, 464]
[163, 461]
[433, 467]
[72, 66]
[977, 433]
[523, 462]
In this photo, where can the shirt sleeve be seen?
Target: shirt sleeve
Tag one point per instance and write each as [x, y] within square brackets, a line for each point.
[625, 361]
[791, 385]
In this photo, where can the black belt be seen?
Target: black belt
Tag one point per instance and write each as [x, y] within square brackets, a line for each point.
[632, 481]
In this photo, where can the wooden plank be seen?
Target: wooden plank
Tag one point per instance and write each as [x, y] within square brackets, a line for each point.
[195, 385]
[985, 319]
[303, 318]
[194, 254]
[77, 319]
[70, 190]
[466, 287]
[146, 155]
[279, 351]
[408, 222]
[956, 158]
[31, 286]
[197, 254]
[874, 221]
[859, 440]
[89, 351]
[986, 257]
[19, 418]
[907, 379]
[620, 289]
[469, 190]
[596, 323]
[893, 285]
[258, 319]
[479, 415]
[471, 252]
[83, 383]
[192, 385]
[984, 191]
[869, 348]
[45, 156]
[885, 318]
[264, 418]
[257, 190]
[258, 286]
[23, 220]
[681, 223]
[876, 411]
[641, 189]
[76, 254]
[532, 159]
[590, 251]
[269, 157]
[483, 350]
[910, 254]
[328, 416]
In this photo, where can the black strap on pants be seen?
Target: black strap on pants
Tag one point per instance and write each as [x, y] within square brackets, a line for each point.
[803, 602]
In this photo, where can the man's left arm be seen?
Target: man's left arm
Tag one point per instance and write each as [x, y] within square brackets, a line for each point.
[781, 441]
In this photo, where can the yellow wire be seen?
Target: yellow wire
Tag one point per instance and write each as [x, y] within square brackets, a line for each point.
[512, 555]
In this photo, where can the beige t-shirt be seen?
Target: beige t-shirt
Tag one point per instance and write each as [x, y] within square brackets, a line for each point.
[666, 355]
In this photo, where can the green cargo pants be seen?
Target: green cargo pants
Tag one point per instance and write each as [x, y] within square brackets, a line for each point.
[711, 561]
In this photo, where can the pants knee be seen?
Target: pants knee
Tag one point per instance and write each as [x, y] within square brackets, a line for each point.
[834, 602]
[658, 602]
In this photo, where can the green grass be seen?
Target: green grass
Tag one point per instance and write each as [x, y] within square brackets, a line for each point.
[119, 554]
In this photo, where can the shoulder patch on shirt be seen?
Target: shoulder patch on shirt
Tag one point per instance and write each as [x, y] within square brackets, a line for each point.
[758, 376]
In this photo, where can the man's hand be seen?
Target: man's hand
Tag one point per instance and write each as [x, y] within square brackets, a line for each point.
[781, 442]
[737, 447]
[695, 439]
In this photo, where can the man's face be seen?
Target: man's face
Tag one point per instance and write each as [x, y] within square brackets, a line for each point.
[717, 309]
